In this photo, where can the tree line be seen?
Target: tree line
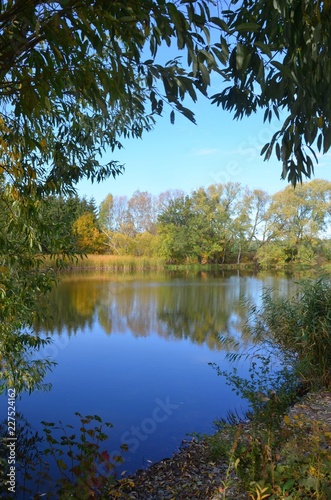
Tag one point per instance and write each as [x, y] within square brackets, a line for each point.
[221, 224]
[78, 78]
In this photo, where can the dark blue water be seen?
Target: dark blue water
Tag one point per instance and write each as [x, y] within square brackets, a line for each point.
[136, 351]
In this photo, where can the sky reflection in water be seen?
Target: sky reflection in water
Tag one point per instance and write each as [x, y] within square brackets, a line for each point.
[135, 352]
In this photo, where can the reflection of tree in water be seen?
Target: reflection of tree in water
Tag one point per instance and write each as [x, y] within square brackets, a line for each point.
[27, 454]
[198, 309]
[71, 307]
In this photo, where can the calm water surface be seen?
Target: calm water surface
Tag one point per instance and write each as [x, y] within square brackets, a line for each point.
[135, 351]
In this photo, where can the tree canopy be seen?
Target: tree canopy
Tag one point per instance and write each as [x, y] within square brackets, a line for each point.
[221, 224]
[277, 58]
[77, 77]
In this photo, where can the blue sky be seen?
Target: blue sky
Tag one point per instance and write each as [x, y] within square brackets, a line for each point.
[186, 156]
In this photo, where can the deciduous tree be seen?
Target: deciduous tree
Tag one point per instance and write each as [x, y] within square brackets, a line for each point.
[277, 58]
[89, 238]
[143, 210]
[297, 221]
[75, 78]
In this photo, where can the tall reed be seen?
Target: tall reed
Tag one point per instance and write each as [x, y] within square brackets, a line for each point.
[301, 327]
[120, 263]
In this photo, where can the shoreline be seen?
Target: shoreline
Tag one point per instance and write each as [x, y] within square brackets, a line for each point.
[191, 473]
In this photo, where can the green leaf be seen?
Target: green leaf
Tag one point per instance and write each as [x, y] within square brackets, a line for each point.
[278, 151]
[263, 47]
[284, 69]
[242, 57]
[247, 27]
[264, 149]
[221, 56]
[205, 74]
[220, 23]
[61, 464]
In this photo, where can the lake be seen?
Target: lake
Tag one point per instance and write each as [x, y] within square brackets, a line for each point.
[134, 349]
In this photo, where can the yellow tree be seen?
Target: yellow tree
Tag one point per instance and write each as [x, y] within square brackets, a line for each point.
[89, 238]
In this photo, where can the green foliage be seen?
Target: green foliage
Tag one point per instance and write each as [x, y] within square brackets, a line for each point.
[292, 462]
[84, 468]
[75, 79]
[296, 221]
[230, 224]
[304, 469]
[223, 224]
[24, 281]
[205, 226]
[301, 327]
[277, 58]
[277, 456]
[18, 367]
[269, 391]
[106, 213]
[58, 214]
[146, 244]
[176, 225]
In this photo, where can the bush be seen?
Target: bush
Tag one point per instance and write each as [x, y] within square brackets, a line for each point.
[300, 326]
[277, 454]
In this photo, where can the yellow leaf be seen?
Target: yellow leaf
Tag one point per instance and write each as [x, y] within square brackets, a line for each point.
[287, 419]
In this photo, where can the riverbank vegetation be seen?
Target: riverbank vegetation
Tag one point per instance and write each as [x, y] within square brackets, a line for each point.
[225, 224]
[280, 453]
[275, 451]
[114, 263]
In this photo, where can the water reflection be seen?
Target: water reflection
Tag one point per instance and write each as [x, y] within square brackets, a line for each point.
[173, 307]
[125, 346]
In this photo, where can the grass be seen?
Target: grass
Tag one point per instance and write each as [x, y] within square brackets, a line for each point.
[327, 267]
[296, 465]
[128, 263]
[122, 263]
[283, 457]
[300, 327]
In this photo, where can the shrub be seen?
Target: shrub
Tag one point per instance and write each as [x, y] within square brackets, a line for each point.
[300, 326]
